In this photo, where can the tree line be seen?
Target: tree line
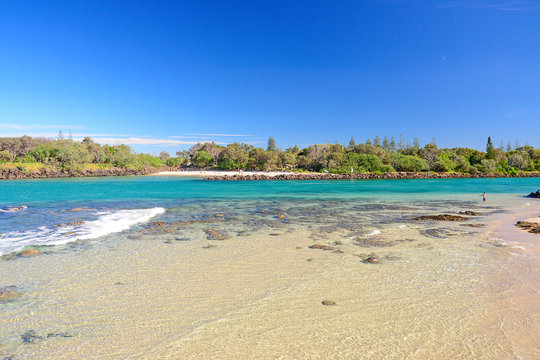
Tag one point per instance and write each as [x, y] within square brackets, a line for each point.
[372, 156]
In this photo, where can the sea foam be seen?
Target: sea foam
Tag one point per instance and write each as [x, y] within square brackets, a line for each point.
[107, 223]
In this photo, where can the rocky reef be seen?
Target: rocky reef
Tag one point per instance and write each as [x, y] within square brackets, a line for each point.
[534, 194]
[49, 172]
[363, 176]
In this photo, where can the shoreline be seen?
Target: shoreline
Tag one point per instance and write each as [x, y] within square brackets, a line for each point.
[283, 175]
[221, 175]
[513, 286]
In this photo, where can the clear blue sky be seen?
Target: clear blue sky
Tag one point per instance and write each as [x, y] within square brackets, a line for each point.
[167, 74]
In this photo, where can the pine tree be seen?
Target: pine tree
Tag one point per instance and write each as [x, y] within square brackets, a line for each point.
[393, 144]
[377, 141]
[501, 145]
[368, 142]
[352, 143]
[60, 135]
[386, 143]
[416, 143]
[516, 145]
[271, 144]
[401, 143]
[489, 149]
[508, 146]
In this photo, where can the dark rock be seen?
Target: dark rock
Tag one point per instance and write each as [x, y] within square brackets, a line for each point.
[338, 243]
[119, 283]
[157, 223]
[329, 303]
[168, 241]
[212, 234]
[209, 246]
[371, 260]
[531, 227]
[321, 247]
[534, 194]
[470, 213]
[274, 234]
[9, 293]
[442, 217]
[30, 337]
[74, 223]
[473, 225]
[60, 334]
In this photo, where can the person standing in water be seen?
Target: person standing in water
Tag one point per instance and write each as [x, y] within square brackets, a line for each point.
[484, 196]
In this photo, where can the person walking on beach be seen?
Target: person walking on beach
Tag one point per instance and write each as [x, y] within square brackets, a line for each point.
[484, 196]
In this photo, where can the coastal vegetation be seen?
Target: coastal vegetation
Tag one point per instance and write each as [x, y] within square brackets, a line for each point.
[71, 156]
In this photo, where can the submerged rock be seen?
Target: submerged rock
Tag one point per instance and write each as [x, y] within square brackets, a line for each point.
[74, 223]
[329, 303]
[30, 337]
[442, 217]
[212, 234]
[369, 242]
[209, 246]
[531, 227]
[9, 293]
[371, 260]
[470, 213]
[31, 252]
[473, 225]
[321, 247]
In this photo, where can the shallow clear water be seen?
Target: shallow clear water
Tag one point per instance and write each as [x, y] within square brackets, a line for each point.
[146, 267]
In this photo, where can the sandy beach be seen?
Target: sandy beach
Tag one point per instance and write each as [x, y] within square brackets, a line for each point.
[214, 173]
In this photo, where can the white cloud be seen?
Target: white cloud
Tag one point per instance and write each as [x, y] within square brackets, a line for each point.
[144, 141]
[216, 135]
[38, 127]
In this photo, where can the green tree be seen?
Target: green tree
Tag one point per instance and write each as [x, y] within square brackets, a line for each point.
[386, 143]
[352, 143]
[271, 144]
[490, 149]
[203, 159]
[377, 141]
[5, 156]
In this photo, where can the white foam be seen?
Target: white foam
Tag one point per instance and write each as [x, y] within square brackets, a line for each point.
[13, 209]
[107, 223]
[518, 247]
[402, 226]
[374, 232]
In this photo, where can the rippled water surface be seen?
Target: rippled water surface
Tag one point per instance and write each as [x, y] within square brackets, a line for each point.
[147, 267]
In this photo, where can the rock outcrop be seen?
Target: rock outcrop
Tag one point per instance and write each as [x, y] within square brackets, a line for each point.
[364, 176]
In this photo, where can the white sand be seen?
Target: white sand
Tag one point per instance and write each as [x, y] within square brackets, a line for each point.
[206, 173]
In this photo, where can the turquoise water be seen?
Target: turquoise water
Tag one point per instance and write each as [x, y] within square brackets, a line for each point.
[111, 205]
[80, 190]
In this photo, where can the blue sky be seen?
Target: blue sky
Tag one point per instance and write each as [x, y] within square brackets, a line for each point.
[162, 75]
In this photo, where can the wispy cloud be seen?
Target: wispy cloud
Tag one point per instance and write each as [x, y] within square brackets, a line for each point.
[232, 135]
[503, 5]
[39, 127]
[517, 113]
[144, 141]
